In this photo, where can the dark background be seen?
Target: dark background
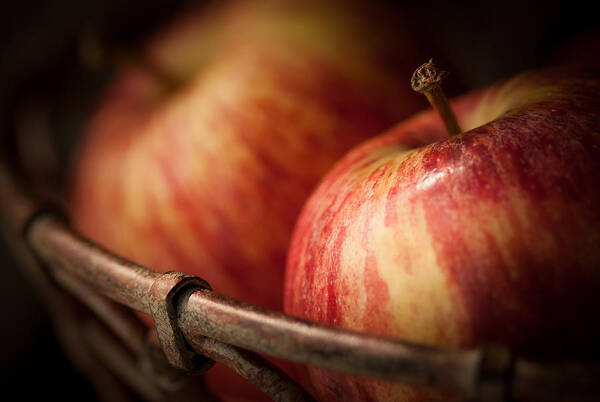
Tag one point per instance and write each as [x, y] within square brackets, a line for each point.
[38, 44]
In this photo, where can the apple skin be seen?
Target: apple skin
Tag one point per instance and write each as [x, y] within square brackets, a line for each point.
[209, 177]
[489, 236]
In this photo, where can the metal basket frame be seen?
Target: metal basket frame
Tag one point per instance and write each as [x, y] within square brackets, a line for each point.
[196, 326]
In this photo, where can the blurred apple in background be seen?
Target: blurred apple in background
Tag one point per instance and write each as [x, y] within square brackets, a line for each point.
[200, 158]
[208, 175]
[492, 235]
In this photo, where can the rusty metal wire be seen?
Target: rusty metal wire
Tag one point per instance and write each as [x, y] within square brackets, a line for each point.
[232, 332]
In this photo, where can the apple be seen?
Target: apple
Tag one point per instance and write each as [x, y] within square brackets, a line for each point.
[491, 235]
[201, 159]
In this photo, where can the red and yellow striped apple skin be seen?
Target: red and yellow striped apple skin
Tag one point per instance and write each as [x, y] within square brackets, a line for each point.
[209, 177]
[492, 235]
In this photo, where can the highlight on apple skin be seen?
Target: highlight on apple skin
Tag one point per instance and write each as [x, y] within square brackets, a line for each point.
[208, 176]
[492, 235]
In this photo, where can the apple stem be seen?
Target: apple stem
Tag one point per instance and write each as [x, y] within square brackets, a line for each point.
[427, 80]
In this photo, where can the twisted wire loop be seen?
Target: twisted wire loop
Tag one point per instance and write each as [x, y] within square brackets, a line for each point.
[164, 293]
[196, 326]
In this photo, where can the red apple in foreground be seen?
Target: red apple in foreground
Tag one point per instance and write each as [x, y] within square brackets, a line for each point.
[489, 235]
[208, 177]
